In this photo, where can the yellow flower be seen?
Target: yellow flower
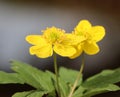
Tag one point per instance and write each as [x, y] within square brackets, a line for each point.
[52, 39]
[92, 34]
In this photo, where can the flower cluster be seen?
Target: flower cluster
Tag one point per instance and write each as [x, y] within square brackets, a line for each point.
[84, 38]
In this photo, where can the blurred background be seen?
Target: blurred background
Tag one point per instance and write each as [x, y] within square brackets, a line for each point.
[19, 18]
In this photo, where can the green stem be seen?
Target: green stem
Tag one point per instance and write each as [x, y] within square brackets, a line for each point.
[56, 73]
[78, 77]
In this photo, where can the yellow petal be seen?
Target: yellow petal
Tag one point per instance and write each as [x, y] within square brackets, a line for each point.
[82, 27]
[78, 52]
[90, 48]
[73, 39]
[41, 52]
[97, 32]
[36, 40]
[64, 50]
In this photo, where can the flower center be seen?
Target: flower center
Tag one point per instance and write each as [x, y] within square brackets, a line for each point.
[53, 37]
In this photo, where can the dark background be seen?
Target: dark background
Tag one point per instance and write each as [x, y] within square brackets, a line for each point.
[19, 18]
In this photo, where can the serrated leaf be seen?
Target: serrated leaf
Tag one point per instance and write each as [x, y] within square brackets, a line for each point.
[69, 75]
[32, 93]
[95, 91]
[33, 76]
[104, 78]
[63, 86]
[102, 82]
[6, 78]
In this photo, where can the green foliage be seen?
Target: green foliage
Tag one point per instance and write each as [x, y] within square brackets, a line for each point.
[22, 94]
[44, 82]
[64, 89]
[106, 88]
[103, 78]
[33, 76]
[79, 92]
[6, 78]
[69, 75]
[102, 82]
[29, 94]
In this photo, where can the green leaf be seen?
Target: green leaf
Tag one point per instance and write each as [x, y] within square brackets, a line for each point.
[37, 94]
[102, 82]
[63, 86]
[79, 92]
[22, 94]
[103, 78]
[52, 94]
[95, 91]
[29, 94]
[33, 76]
[69, 75]
[6, 78]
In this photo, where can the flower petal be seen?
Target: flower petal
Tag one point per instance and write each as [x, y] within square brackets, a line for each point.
[73, 39]
[97, 32]
[91, 48]
[63, 50]
[78, 52]
[41, 52]
[36, 40]
[82, 27]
